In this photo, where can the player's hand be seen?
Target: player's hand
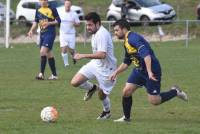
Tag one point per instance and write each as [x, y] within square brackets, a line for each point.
[45, 25]
[78, 56]
[151, 76]
[113, 76]
[30, 33]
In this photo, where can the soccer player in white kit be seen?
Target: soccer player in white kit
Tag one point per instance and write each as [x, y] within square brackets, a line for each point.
[102, 65]
[69, 20]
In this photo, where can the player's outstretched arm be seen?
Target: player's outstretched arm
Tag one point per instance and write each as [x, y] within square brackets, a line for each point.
[119, 70]
[30, 33]
[147, 60]
[97, 55]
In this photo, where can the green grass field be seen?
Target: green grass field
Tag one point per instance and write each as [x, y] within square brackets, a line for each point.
[22, 97]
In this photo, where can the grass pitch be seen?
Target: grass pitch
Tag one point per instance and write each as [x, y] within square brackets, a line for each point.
[22, 97]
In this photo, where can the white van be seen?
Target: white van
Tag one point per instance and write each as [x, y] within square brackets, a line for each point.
[141, 10]
[26, 9]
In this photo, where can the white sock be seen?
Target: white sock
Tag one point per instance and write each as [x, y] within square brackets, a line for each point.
[106, 104]
[86, 85]
[65, 58]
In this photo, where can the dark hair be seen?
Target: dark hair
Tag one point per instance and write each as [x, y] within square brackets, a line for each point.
[94, 17]
[122, 23]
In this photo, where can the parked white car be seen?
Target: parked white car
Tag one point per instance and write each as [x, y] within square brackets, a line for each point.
[26, 9]
[142, 10]
[3, 13]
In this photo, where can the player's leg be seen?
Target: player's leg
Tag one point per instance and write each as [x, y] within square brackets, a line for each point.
[174, 91]
[134, 81]
[43, 60]
[48, 43]
[51, 61]
[81, 80]
[63, 46]
[128, 90]
[71, 46]
[156, 98]
[64, 55]
[106, 105]
[104, 89]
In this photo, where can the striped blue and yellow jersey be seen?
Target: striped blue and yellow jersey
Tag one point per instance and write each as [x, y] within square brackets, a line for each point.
[46, 14]
[136, 49]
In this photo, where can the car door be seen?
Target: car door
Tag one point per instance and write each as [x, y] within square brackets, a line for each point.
[29, 10]
[133, 11]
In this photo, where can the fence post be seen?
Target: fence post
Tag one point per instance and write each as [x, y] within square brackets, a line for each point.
[7, 23]
[187, 34]
[109, 26]
[85, 33]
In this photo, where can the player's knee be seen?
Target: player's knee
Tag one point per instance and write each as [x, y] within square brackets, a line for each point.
[127, 93]
[154, 101]
[42, 53]
[101, 95]
[74, 83]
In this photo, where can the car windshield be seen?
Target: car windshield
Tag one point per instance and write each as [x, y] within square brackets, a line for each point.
[148, 3]
[56, 3]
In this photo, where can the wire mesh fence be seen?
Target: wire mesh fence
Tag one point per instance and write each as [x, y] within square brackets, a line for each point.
[184, 30]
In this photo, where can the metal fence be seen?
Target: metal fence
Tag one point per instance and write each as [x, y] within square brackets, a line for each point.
[184, 30]
[2, 34]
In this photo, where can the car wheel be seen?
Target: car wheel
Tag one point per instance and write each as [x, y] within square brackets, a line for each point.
[22, 20]
[145, 20]
[111, 18]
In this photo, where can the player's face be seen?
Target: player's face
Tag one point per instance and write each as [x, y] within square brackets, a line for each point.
[67, 5]
[119, 32]
[44, 3]
[91, 26]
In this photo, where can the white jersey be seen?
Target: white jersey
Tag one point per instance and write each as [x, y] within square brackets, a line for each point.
[102, 41]
[67, 22]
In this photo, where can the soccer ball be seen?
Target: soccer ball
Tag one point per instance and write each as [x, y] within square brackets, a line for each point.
[49, 114]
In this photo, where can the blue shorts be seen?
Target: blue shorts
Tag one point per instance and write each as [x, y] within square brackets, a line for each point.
[47, 40]
[141, 78]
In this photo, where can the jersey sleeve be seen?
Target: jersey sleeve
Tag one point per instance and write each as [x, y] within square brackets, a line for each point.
[36, 16]
[76, 19]
[141, 44]
[127, 60]
[56, 15]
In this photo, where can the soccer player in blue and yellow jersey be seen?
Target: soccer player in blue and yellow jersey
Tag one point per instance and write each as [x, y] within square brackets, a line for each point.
[147, 71]
[47, 18]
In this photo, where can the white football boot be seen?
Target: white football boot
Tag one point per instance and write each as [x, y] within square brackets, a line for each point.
[180, 94]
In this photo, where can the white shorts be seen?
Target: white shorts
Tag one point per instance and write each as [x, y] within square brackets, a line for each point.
[92, 72]
[67, 40]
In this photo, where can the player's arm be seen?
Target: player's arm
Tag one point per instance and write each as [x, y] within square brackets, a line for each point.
[127, 61]
[33, 27]
[147, 60]
[76, 20]
[144, 53]
[76, 24]
[97, 55]
[119, 70]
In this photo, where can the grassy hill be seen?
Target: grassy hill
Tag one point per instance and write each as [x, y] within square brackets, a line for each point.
[185, 8]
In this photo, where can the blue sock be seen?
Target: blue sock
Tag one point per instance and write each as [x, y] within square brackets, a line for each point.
[43, 62]
[127, 104]
[52, 66]
[165, 96]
